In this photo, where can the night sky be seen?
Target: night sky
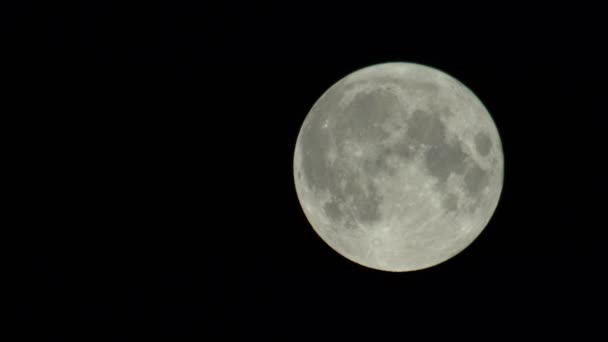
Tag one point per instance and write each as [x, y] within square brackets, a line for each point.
[151, 192]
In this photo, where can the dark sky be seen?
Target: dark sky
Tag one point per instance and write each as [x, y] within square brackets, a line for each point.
[150, 150]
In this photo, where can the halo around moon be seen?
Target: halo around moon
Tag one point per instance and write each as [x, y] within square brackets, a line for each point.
[398, 167]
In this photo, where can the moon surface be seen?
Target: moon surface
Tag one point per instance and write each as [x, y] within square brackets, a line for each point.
[398, 167]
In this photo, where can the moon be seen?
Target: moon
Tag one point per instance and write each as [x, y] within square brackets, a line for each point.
[398, 167]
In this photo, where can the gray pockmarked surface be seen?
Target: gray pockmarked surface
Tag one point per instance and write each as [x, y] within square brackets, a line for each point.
[398, 167]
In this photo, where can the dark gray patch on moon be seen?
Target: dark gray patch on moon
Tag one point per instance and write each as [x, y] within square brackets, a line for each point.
[361, 122]
[483, 143]
[445, 159]
[363, 115]
[314, 164]
[402, 149]
[366, 207]
[442, 158]
[426, 128]
[476, 180]
[314, 141]
[450, 202]
[378, 161]
[332, 210]
[355, 122]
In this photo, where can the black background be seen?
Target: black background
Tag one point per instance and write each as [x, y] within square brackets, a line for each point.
[151, 153]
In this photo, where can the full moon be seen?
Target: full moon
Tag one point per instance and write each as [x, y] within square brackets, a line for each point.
[398, 167]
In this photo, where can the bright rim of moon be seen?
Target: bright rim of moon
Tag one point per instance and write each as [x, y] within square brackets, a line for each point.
[398, 167]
